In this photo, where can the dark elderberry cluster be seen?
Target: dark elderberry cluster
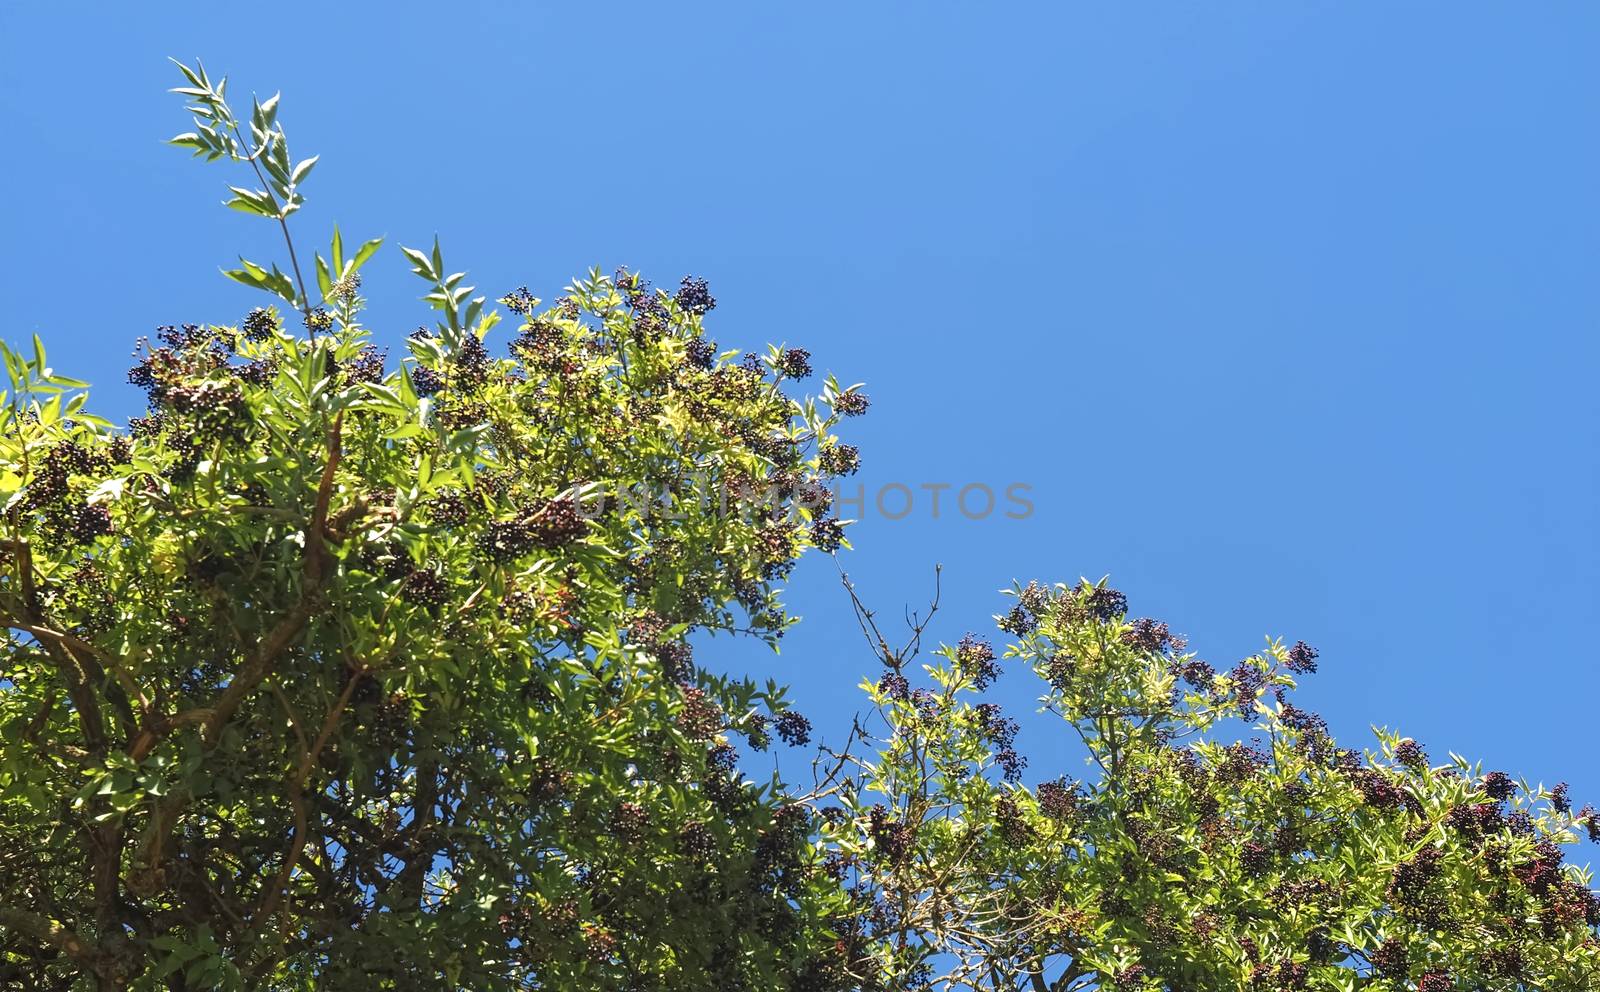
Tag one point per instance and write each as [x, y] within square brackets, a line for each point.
[1106, 604]
[700, 353]
[1285, 976]
[1018, 621]
[260, 324]
[1498, 786]
[257, 373]
[755, 732]
[424, 587]
[319, 321]
[851, 404]
[701, 717]
[1435, 981]
[425, 381]
[1130, 978]
[793, 728]
[1060, 669]
[975, 659]
[895, 686]
[1255, 859]
[520, 301]
[694, 296]
[827, 534]
[1377, 789]
[794, 363]
[839, 459]
[1474, 821]
[1409, 889]
[469, 366]
[558, 522]
[1559, 800]
[1001, 732]
[1057, 800]
[1391, 958]
[695, 840]
[1148, 634]
[448, 508]
[630, 821]
[1302, 658]
[1198, 673]
[1247, 681]
[890, 838]
[366, 366]
[1411, 754]
[504, 541]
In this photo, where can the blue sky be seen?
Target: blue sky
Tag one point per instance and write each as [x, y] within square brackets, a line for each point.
[1285, 313]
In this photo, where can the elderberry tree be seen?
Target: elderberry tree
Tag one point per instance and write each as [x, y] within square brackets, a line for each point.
[333, 672]
[1184, 862]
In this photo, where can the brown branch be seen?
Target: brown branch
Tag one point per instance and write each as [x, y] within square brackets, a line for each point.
[48, 931]
[297, 798]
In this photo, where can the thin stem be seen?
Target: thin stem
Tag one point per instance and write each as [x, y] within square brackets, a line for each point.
[283, 224]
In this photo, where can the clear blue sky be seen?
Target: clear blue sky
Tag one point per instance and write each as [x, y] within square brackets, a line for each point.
[1286, 312]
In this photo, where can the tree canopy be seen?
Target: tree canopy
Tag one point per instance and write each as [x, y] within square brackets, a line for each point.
[331, 671]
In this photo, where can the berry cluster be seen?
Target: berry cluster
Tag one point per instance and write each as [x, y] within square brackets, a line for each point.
[1018, 621]
[1435, 981]
[1106, 604]
[1411, 754]
[1057, 800]
[974, 658]
[793, 728]
[1247, 681]
[1409, 888]
[448, 508]
[1377, 789]
[794, 363]
[1255, 859]
[520, 301]
[839, 459]
[694, 296]
[701, 717]
[260, 324]
[1148, 634]
[700, 353]
[1302, 658]
[1129, 978]
[1002, 733]
[1498, 786]
[695, 840]
[630, 821]
[423, 587]
[827, 534]
[895, 686]
[851, 404]
[890, 838]
[426, 381]
[1391, 958]
[558, 522]
[504, 541]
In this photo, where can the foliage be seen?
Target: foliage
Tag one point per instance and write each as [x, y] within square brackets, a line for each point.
[328, 673]
[1182, 862]
[334, 673]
